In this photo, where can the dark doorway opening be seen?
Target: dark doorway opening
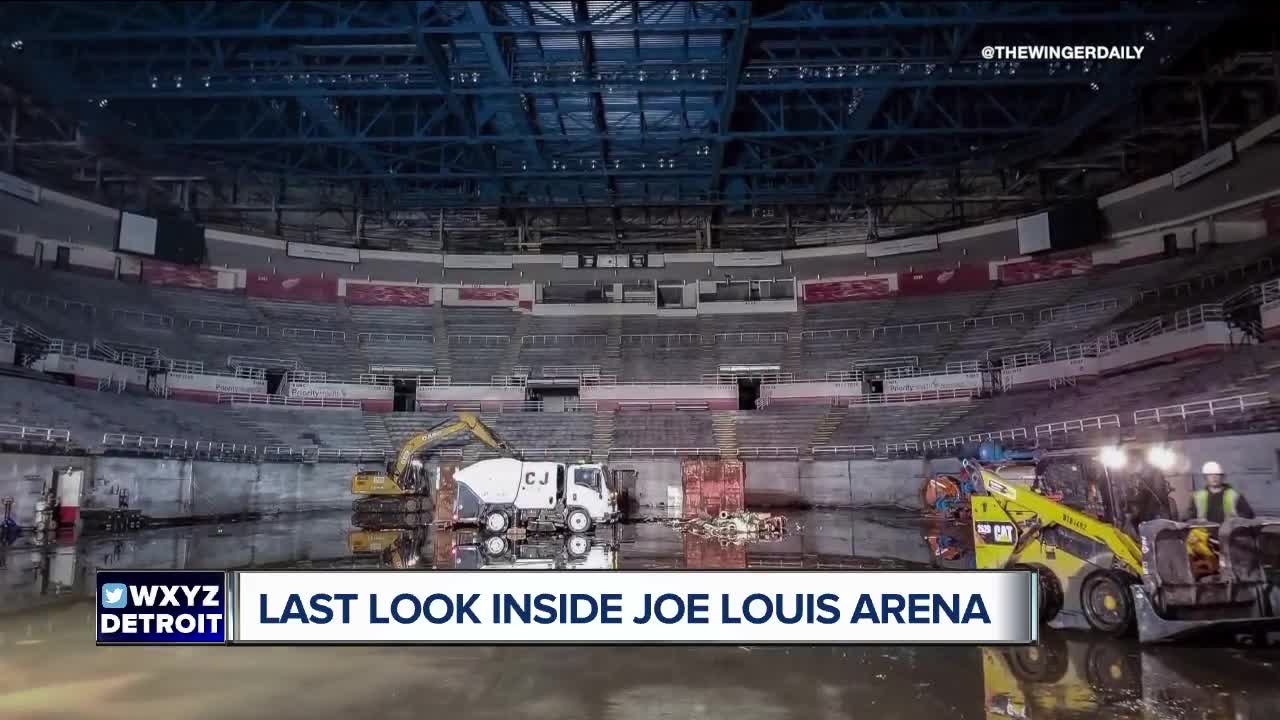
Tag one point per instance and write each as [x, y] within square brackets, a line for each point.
[405, 397]
[274, 378]
[1170, 244]
[875, 384]
[748, 393]
[62, 261]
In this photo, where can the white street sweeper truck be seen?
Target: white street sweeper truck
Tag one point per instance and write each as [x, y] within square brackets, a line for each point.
[506, 493]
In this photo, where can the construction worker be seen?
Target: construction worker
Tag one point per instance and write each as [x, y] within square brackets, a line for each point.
[1217, 501]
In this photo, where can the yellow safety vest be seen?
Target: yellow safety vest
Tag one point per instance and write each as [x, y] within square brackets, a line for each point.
[1201, 500]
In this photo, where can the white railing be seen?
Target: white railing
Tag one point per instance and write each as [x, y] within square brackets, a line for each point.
[939, 326]
[960, 368]
[6, 334]
[1009, 434]
[1216, 406]
[1022, 349]
[845, 376]
[1012, 318]
[1077, 425]
[308, 376]
[567, 340]
[242, 371]
[375, 379]
[112, 384]
[1076, 352]
[662, 405]
[213, 447]
[106, 351]
[943, 443]
[184, 366]
[481, 340]
[143, 319]
[544, 453]
[1078, 311]
[58, 346]
[28, 330]
[895, 361]
[227, 329]
[30, 432]
[901, 447]
[389, 339]
[260, 399]
[508, 380]
[663, 452]
[1269, 292]
[750, 338]
[833, 334]
[897, 398]
[768, 452]
[729, 378]
[433, 380]
[32, 298]
[844, 449]
[334, 337]
[663, 339]
[143, 442]
[569, 371]
[261, 363]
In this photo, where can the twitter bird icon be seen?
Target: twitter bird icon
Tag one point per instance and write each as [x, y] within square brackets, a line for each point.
[115, 595]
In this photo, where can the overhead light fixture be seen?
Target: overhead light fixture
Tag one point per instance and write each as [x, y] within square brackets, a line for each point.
[1113, 458]
[1162, 458]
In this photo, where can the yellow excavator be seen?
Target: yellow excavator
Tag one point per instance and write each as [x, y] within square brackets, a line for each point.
[405, 483]
[1096, 575]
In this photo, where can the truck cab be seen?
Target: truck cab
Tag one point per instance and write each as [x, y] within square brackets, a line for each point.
[591, 488]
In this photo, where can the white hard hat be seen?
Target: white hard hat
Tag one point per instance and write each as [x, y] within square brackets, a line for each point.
[1211, 468]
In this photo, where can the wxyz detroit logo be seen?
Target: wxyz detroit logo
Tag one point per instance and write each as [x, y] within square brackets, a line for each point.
[1063, 52]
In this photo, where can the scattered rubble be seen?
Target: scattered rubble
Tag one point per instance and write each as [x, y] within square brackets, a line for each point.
[741, 526]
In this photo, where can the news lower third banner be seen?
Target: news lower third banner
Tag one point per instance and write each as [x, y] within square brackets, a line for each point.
[640, 607]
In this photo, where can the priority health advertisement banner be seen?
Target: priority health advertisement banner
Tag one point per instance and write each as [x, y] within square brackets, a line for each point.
[536, 607]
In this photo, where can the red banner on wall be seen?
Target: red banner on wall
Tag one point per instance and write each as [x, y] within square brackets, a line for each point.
[1037, 270]
[162, 274]
[846, 290]
[310, 288]
[932, 282]
[375, 294]
[489, 293]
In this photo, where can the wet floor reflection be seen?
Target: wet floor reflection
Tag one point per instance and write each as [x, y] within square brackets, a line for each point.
[50, 669]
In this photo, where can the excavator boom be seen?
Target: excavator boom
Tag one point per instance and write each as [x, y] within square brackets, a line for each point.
[397, 481]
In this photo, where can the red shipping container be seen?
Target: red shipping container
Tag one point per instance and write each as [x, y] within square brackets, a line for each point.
[846, 290]
[712, 486]
[932, 282]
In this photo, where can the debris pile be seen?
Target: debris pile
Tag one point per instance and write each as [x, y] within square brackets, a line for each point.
[735, 526]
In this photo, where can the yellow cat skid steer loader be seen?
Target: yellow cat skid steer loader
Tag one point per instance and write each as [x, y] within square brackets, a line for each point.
[1095, 576]
[404, 485]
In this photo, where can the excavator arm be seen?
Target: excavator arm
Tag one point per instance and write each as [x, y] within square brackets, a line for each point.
[464, 423]
[1015, 499]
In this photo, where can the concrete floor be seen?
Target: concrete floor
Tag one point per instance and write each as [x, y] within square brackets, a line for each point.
[49, 667]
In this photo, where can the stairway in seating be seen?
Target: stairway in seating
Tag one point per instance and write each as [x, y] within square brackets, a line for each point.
[613, 347]
[511, 355]
[793, 351]
[826, 426]
[375, 426]
[602, 434]
[724, 426]
[440, 342]
[358, 361]
[710, 352]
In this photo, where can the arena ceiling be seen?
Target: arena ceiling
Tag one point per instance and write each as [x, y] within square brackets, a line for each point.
[614, 121]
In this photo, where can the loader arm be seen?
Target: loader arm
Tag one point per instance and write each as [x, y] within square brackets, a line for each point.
[1048, 512]
[465, 423]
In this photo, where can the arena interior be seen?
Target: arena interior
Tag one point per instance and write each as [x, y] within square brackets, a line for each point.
[805, 254]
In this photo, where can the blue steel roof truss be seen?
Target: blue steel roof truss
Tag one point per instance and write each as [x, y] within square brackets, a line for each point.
[615, 103]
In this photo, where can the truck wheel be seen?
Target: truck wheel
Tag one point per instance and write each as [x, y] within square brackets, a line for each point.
[578, 546]
[495, 521]
[1107, 603]
[578, 520]
[495, 546]
[412, 505]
